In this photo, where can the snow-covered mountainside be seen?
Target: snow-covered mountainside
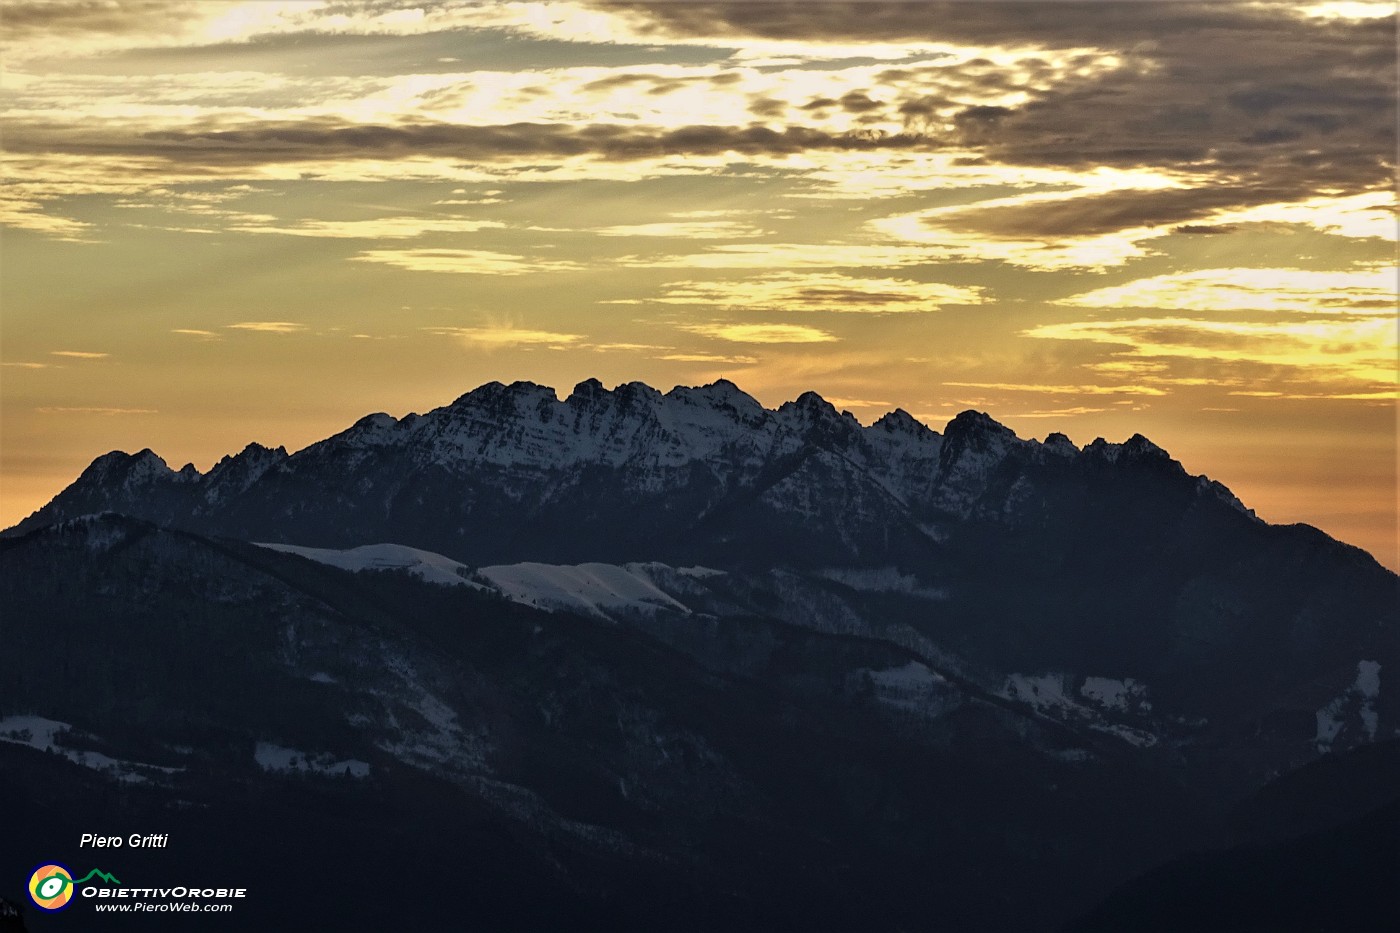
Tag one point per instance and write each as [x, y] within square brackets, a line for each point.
[657, 597]
[434, 568]
[593, 589]
[1047, 575]
[600, 590]
[1014, 556]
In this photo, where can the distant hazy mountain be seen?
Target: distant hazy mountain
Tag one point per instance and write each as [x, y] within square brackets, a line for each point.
[636, 660]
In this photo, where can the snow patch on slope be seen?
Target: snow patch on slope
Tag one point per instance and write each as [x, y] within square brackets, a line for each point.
[418, 727]
[881, 580]
[1122, 696]
[1052, 694]
[598, 590]
[1361, 697]
[698, 572]
[912, 687]
[1138, 737]
[1041, 690]
[434, 568]
[39, 733]
[593, 589]
[911, 676]
[272, 757]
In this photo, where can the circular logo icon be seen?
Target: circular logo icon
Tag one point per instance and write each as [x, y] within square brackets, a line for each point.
[51, 886]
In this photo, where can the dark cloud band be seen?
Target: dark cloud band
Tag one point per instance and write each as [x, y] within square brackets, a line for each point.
[313, 141]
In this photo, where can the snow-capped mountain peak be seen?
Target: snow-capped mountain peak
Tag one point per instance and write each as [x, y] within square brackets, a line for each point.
[514, 472]
[900, 421]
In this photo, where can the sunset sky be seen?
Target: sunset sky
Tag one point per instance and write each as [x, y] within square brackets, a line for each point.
[234, 222]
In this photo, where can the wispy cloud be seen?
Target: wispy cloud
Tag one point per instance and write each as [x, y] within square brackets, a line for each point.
[1058, 412]
[1016, 230]
[1370, 291]
[505, 336]
[762, 333]
[858, 402]
[23, 213]
[308, 140]
[79, 354]
[623, 347]
[465, 261]
[1061, 389]
[816, 291]
[709, 358]
[1318, 350]
[269, 327]
[383, 228]
[196, 332]
[46, 29]
[1369, 215]
[690, 230]
[1349, 9]
[93, 410]
[787, 256]
[1387, 395]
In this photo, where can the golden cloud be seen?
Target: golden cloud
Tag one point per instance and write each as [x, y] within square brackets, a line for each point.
[383, 228]
[1061, 389]
[1317, 350]
[269, 327]
[464, 261]
[793, 291]
[93, 410]
[762, 333]
[859, 403]
[504, 335]
[1367, 291]
[709, 358]
[1057, 412]
[959, 233]
[786, 256]
[691, 230]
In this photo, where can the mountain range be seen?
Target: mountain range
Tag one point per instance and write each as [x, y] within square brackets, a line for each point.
[645, 660]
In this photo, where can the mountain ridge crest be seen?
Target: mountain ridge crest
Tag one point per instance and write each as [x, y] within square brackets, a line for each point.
[687, 458]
